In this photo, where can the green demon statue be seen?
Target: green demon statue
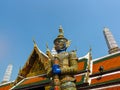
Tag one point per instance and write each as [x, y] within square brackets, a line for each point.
[63, 64]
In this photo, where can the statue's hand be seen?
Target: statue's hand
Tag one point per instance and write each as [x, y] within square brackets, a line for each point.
[56, 69]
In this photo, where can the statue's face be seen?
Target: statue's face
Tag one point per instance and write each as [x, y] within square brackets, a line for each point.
[60, 44]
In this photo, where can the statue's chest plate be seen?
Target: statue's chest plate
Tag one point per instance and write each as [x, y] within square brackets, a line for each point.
[63, 59]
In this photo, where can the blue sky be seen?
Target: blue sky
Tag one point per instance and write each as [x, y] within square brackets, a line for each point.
[82, 20]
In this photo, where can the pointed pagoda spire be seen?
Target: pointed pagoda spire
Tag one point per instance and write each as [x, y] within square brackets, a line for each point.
[111, 43]
[8, 73]
[61, 32]
[60, 35]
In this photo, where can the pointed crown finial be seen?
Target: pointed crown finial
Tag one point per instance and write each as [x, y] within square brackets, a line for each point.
[61, 32]
[61, 35]
[60, 27]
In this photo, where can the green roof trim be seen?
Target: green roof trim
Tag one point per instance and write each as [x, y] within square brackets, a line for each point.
[106, 58]
[108, 70]
[31, 84]
[110, 81]
[85, 61]
[82, 80]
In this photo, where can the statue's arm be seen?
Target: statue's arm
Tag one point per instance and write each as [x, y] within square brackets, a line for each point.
[73, 68]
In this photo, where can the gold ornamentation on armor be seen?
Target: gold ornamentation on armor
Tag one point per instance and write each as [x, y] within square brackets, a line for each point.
[64, 61]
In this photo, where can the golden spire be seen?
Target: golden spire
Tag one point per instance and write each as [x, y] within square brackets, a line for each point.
[34, 42]
[61, 32]
[47, 49]
[48, 53]
[60, 35]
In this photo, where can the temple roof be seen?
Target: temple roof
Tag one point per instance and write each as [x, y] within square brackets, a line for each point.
[34, 62]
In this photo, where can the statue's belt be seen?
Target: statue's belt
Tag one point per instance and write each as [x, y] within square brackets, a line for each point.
[67, 79]
[67, 85]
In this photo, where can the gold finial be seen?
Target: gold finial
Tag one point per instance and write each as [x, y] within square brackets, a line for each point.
[34, 42]
[90, 49]
[60, 27]
[47, 47]
[61, 33]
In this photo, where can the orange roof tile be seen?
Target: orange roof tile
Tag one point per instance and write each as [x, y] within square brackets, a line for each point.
[5, 87]
[78, 78]
[82, 64]
[32, 80]
[106, 78]
[108, 64]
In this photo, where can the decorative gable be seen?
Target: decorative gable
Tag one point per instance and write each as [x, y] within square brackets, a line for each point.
[37, 68]
[34, 65]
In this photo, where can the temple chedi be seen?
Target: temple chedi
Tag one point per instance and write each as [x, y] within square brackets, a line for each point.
[111, 43]
[58, 69]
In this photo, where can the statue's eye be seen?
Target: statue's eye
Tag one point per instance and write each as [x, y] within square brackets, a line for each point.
[59, 41]
[62, 40]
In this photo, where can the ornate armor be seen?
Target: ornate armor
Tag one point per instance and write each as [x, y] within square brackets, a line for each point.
[63, 65]
[68, 66]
